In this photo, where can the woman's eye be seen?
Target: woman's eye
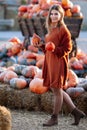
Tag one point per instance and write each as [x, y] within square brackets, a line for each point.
[51, 14]
[54, 14]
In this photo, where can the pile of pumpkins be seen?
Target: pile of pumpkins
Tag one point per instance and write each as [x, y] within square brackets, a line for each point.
[79, 63]
[41, 7]
[26, 71]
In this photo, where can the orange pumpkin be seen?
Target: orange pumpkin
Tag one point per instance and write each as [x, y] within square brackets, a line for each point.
[9, 75]
[30, 71]
[28, 54]
[72, 80]
[80, 54]
[38, 74]
[29, 8]
[39, 57]
[45, 6]
[85, 60]
[35, 39]
[2, 75]
[34, 1]
[9, 53]
[69, 5]
[12, 68]
[15, 40]
[65, 2]
[39, 63]
[16, 49]
[36, 8]
[77, 65]
[50, 46]
[41, 2]
[76, 9]
[18, 83]
[36, 86]
[72, 60]
[19, 68]
[68, 13]
[22, 8]
[30, 15]
[32, 49]
[44, 13]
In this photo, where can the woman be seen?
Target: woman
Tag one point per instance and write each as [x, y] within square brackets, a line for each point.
[56, 63]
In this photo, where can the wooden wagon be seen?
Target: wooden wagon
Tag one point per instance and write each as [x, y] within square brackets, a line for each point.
[37, 25]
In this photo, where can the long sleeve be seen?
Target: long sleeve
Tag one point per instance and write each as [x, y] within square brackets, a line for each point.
[65, 46]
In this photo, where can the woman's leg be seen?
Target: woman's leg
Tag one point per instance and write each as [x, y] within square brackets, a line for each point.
[78, 114]
[68, 101]
[58, 100]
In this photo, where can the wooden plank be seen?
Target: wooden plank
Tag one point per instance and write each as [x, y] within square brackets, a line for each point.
[38, 26]
[23, 27]
[7, 22]
[30, 27]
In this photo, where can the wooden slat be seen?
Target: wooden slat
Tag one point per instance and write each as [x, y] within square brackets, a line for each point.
[23, 27]
[7, 22]
[38, 26]
[30, 27]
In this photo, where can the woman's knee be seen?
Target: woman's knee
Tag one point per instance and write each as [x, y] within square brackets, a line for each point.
[56, 91]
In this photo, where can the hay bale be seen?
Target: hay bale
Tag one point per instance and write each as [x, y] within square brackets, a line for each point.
[25, 99]
[81, 102]
[18, 99]
[47, 102]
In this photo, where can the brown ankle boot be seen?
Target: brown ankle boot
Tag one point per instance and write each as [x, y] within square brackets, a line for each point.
[78, 114]
[52, 121]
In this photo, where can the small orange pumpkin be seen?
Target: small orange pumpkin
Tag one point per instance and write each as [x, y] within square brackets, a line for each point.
[32, 49]
[68, 13]
[39, 63]
[72, 80]
[36, 86]
[22, 8]
[2, 75]
[35, 39]
[50, 46]
[30, 71]
[38, 74]
[15, 40]
[76, 9]
[19, 83]
[77, 65]
[65, 2]
[16, 49]
[9, 75]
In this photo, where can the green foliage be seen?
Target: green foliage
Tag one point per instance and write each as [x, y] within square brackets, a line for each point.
[23, 2]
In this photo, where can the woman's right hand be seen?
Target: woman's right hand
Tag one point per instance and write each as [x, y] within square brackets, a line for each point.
[50, 46]
[36, 40]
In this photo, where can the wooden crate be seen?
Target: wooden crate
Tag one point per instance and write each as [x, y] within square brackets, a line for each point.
[37, 25]
[74, 25]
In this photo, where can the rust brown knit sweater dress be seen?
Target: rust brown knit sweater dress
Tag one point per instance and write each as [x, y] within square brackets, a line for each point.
[55, 63]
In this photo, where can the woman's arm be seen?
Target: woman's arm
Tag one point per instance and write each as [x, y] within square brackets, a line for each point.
[65, 46]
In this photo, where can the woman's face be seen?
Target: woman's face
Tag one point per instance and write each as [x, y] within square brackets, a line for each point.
[55, 16]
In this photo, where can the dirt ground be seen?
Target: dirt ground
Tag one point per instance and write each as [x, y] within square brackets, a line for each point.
[26, 120]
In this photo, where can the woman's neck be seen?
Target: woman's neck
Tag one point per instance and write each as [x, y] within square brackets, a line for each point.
[53, 25]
